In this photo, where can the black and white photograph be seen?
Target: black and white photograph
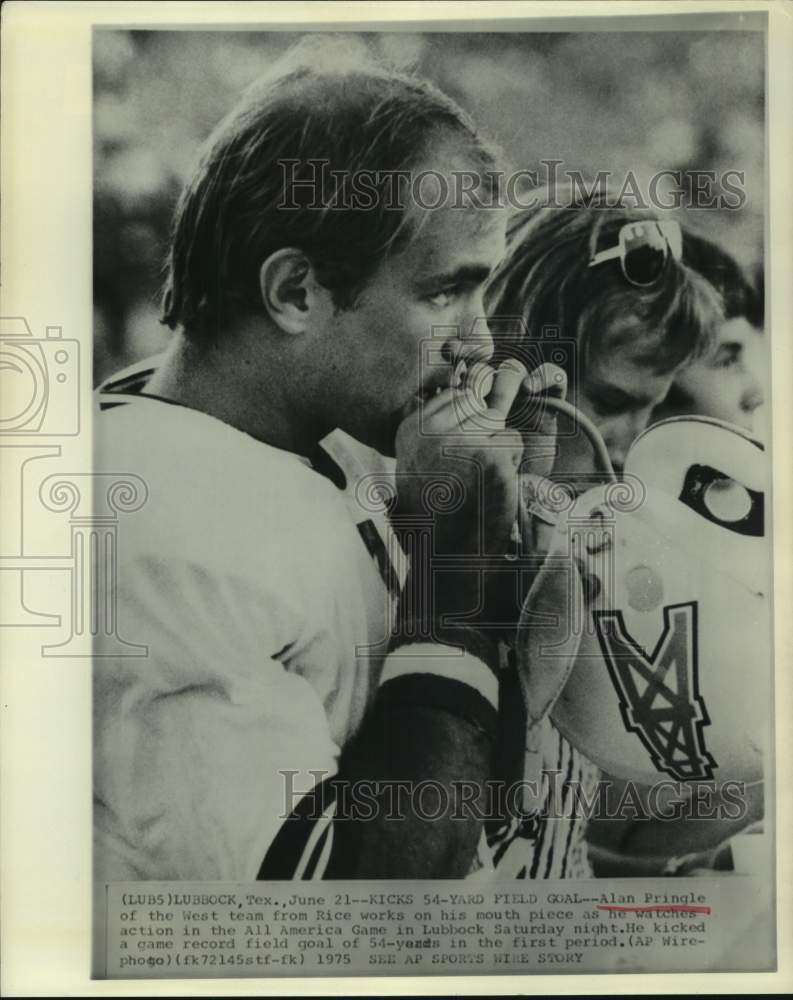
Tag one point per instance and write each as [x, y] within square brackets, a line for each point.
[424, 567]
[444, 367]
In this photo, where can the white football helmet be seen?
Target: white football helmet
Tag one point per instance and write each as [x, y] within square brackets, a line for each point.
[647, 634]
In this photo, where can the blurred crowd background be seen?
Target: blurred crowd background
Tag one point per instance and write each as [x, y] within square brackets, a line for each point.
[633, 101]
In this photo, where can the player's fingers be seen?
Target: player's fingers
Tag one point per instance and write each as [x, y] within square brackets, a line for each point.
[512, 442]
[482, 424]
[479, 380]
[488, 427]
[452, 409]
[444, 412]
[548, 380]
[506, 385]
[487, 431]
[429, 407]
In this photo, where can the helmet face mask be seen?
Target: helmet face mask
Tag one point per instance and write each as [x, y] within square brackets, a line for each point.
[673, 623]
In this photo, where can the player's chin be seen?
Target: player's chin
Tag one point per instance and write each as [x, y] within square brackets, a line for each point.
[387, 438]
[379, 432]
[394, 421]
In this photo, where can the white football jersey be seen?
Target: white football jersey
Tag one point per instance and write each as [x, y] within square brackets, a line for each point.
[263, 589]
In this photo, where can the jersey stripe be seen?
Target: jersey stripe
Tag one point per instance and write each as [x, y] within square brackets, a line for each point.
[560, 826]
[320, 834]
[373, 541]
[291, 847]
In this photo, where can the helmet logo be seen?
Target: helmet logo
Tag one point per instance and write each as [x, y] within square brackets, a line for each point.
[659, 694]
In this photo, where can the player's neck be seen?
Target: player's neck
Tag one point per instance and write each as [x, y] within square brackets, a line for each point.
[223, 383]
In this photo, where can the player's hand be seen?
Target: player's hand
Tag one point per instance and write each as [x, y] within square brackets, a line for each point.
[458, 461]
[536, 421]
[457, 464]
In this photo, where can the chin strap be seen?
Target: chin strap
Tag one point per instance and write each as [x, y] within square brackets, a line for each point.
[550, 673]
[602, 458]
[527, 512]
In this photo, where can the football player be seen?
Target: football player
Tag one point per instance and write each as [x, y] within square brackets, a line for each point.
[726, 382]
[291, 650]
[606, 292]
[609, 288]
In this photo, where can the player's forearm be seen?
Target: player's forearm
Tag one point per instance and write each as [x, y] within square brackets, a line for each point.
[427, 744]
[431, 767]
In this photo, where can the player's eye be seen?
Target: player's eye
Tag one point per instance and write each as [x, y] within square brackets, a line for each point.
[728, 355]
[443, 298]
[609, 404]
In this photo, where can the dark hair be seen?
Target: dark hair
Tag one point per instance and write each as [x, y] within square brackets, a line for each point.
[326, 100]
[546, 280]
[740, 294]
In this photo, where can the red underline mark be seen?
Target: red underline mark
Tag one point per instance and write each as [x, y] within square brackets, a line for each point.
[674, 907]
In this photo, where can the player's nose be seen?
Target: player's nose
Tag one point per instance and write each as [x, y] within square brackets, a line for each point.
[621, 435]
[753, 396]
[473, 344]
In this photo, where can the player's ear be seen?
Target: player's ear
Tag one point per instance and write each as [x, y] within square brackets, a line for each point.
[289, 289]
